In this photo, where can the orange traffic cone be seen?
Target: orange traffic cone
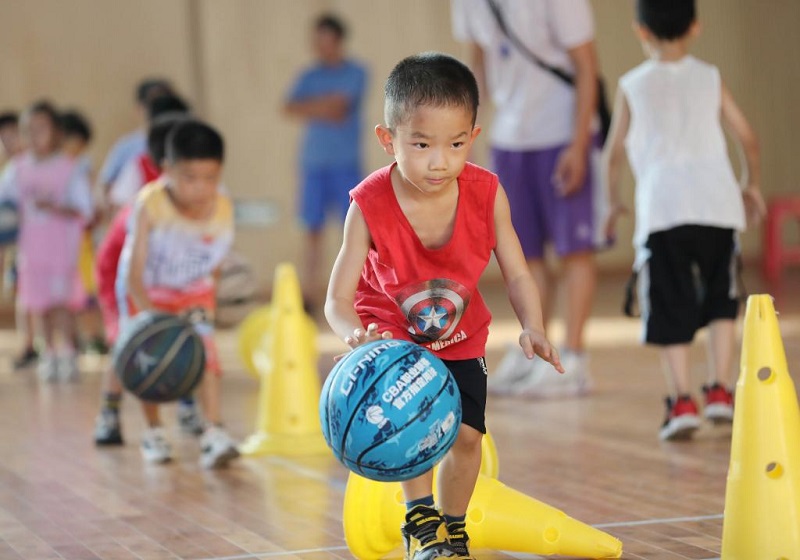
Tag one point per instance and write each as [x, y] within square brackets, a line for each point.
[288, 419]
[762, 498]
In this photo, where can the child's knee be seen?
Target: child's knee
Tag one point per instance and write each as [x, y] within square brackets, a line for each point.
[468, 440]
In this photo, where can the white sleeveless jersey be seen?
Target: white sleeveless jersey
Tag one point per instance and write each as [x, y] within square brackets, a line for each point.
[676, 148]
[181, 252]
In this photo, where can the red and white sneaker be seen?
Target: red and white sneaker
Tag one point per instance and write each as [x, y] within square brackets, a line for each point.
[682, 419]
[719, 404]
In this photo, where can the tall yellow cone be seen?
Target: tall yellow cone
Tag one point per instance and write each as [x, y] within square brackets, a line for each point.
[498, 518]
[255, 339]
[762, 498]
[288, 420]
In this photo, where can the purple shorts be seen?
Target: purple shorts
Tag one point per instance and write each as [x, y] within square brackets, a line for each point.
[540, 215]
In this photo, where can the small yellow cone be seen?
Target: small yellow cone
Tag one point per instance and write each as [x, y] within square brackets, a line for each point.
[762, 498]
[502, 518]
[498, 517]
[370, 537]
[288, 419]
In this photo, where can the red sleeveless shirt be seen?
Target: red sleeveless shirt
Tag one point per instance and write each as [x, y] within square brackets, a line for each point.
[428, 296]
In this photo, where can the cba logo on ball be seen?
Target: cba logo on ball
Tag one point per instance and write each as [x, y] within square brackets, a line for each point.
[433, 308]
[375, 416]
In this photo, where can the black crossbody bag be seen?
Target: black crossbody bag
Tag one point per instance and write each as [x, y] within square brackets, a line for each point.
[603, 111]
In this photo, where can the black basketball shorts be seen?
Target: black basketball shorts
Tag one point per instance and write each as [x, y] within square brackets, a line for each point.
[470, 376]
[689, 280]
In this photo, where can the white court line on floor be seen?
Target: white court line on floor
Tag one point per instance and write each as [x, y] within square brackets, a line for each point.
[511, 554]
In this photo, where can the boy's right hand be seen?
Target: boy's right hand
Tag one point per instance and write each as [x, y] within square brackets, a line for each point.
[360, 336]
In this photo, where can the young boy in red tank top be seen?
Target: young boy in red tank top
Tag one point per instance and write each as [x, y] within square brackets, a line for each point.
[417, 238]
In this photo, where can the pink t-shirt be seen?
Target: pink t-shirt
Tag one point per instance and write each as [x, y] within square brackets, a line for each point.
[48, 242]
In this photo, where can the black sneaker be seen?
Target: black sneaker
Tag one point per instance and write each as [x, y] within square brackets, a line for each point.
[107, 428]
[29, 357]
[459, 540]
[425, 535]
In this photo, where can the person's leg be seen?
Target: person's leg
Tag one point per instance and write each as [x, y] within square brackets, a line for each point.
[675, 358]
[311, 206]
[517, 172]
[671, 314]
[580, 279]
[67, 353]
[217, 447]
[721, 342]
[458, 472]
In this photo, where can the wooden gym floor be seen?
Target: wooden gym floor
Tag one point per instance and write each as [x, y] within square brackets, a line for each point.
[597, 458]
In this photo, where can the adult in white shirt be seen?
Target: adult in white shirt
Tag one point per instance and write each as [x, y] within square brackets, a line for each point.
[542, 138]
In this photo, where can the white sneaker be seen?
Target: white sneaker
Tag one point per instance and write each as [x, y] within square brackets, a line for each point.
[47, 368]
[155, 447]
[514, 367]
[545, 382]
[68, 367]
[217, 448]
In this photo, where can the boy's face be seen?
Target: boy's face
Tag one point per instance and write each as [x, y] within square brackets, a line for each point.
[42, 136]
[9, 138]
[431, 146]
[194, 182]
[73, 145]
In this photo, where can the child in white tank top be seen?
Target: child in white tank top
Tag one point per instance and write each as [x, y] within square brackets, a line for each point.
[689, 205]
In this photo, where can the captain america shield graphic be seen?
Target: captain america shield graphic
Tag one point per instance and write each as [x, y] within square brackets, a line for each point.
[433, 308]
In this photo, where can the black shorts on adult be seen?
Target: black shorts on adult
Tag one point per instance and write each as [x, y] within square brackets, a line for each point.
[688, 281]
[470, 376]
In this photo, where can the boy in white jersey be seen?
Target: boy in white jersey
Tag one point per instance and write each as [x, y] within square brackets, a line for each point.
[181, 230]
[689, 205]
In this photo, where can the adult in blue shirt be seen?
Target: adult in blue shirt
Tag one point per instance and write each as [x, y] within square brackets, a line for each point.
[328, 97]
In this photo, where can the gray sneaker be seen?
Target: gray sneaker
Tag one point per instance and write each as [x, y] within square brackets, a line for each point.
[514, 367]
[47, 368]
[545, 382]
[68, 367]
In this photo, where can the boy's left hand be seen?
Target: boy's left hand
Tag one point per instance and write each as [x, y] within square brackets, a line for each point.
[535, 343]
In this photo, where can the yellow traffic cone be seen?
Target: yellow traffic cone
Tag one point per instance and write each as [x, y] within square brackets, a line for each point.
[255, 338]
[288, 420]
[497, 518]
[762, 498]
[377, 535]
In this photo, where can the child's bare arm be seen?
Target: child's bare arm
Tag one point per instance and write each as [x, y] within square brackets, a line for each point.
[135, 279]
[522, 290]
[736, 123]
[613, 159]
[339, 309]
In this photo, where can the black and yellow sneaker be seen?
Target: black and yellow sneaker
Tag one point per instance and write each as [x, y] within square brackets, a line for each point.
[459, 540]
[425, 535]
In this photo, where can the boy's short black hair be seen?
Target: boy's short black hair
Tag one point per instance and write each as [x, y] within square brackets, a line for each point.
[73, 123]
[329, 22]
[164, 104]
[432, 79]
[150, 88]
[666, 19]
[9, 118]
[46, 108]
[157, 135]
[194, 140]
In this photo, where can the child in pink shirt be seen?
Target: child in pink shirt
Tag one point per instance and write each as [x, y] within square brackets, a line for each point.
[54, 200]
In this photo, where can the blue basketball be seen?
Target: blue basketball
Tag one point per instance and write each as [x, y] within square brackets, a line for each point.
[159, 357]
[390, 410]
[9, 223]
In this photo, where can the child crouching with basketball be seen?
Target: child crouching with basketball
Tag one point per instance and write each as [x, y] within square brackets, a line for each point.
[417, 238]
[182, 228]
